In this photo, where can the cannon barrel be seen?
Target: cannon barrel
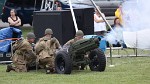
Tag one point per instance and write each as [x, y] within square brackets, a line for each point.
[84, 45]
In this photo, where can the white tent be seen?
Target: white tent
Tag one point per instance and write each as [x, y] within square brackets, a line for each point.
[139, 39]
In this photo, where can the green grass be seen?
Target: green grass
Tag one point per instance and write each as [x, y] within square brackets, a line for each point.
[128, 70]
[25, 30]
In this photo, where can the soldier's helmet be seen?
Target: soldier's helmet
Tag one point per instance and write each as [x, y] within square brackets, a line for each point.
[48, 31]
[79, 33]
[30, 35]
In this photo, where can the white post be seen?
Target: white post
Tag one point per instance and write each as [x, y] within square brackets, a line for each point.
[34, 5]
[111, 65]
[45, 4]
[42, 4]
[53, 4]
[73, 16]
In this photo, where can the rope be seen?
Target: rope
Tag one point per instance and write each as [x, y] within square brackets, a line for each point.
[9, 43]
[10, 39]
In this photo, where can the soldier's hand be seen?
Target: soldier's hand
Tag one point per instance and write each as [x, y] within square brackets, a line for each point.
[53, 40]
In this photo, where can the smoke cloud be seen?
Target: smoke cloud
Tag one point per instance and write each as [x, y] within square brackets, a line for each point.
[136, 16]
[136, 24]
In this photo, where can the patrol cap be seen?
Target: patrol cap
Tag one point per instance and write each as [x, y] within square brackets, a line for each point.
[79, 33]
[30, 35]
[48, 31]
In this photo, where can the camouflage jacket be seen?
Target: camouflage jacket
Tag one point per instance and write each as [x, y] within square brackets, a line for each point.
[46, 47]
[71, 41]
[23, 52]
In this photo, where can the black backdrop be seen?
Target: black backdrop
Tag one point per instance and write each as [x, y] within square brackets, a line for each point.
[61, 23]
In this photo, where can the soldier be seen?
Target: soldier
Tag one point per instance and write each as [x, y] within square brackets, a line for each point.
[79, 35]
[23, 54]
[45, 50]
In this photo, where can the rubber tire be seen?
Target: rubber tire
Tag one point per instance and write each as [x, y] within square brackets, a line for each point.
[62, 57]
[100, 60]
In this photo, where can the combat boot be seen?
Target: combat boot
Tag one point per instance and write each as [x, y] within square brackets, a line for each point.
[52, 70]
[9, 68]
[48, 71]
[82, 66]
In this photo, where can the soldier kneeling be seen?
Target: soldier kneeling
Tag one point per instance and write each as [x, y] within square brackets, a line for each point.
[23, 55]
[78, 36]
[45, 50]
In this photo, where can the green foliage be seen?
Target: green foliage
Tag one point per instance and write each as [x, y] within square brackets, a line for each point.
[26, 30]
[127, 70]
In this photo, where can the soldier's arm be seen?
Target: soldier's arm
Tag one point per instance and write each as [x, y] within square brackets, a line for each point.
[69, 42]
[58, 46]
[27, 48]
[31, 54]
[38, 48]
[67, 45]
[14, 47]
[18, 45]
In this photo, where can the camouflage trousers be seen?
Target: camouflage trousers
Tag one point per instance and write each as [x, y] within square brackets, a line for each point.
[20, 68]
[47, 62]
[21, 65]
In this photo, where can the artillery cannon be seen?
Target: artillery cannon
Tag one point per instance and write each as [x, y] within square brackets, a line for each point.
[81, 53]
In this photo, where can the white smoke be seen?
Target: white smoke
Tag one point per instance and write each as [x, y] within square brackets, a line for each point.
[136, 24]
[136, 16]
[115, 36]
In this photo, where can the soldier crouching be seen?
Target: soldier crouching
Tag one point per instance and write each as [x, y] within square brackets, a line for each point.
[45, 50]
[23, 54]
[78, 36]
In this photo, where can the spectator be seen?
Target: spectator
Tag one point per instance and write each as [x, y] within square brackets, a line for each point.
[118, 29]
[13, 20]
[99, 23]
[119, 13]
[57, 5]
[117, 23]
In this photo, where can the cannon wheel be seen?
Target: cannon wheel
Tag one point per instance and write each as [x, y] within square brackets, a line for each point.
[97, 60]
[63, 63]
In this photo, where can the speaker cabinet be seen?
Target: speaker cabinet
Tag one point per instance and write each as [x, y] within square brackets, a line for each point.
[61, 23]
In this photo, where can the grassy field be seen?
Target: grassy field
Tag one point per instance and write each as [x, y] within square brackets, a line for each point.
[25, 30]
[127, 70]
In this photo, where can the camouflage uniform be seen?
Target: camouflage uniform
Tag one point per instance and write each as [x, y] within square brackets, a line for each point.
[78, 33]
[71, 41]
[23, 55]
[45, 49]
[66, 46]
